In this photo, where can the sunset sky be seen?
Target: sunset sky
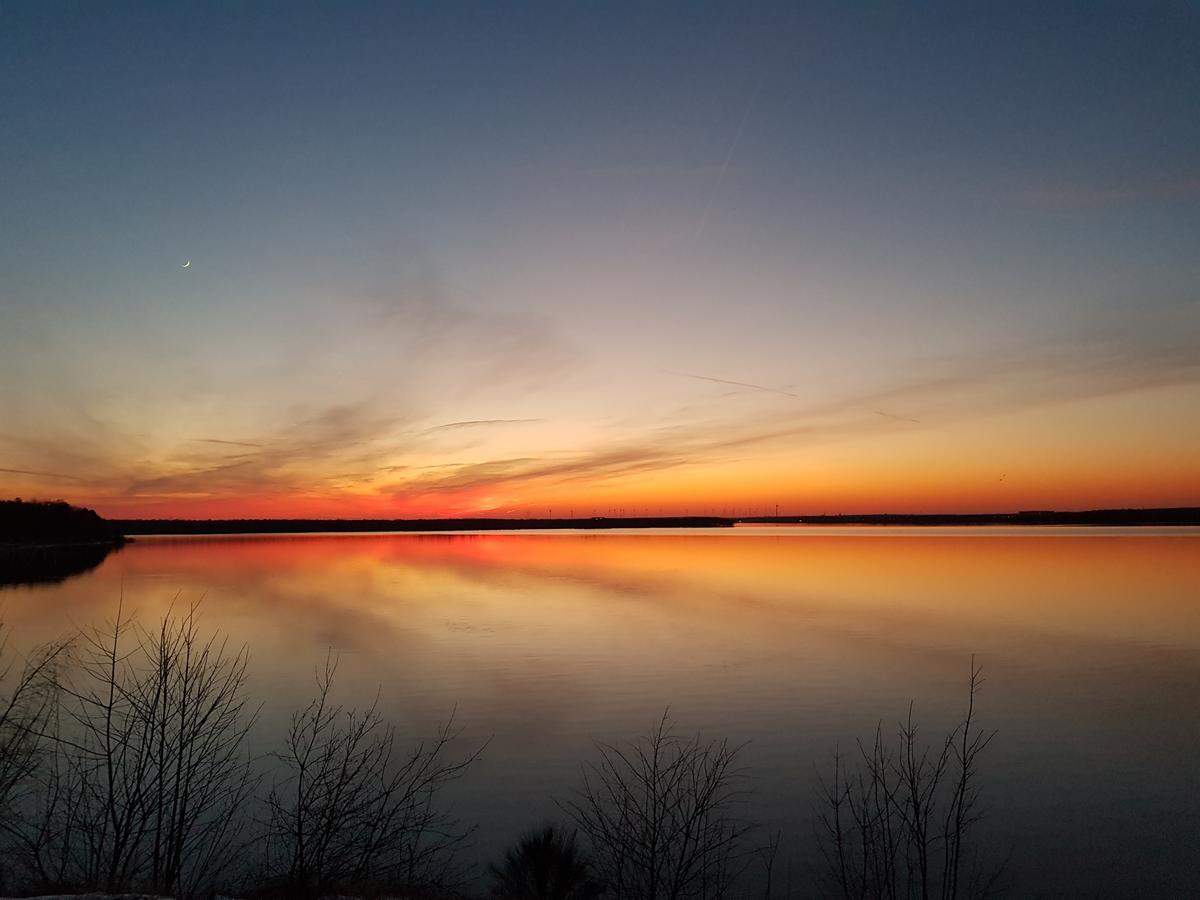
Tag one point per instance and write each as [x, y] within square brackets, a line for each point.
[580, 258]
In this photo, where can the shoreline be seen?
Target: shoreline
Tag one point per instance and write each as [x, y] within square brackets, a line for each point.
[55, 546]
[1175, 516]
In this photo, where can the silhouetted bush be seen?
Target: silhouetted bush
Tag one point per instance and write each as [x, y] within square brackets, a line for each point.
[351, 807]
[144, 775]
[897, 825]
[661, 814]
[545, 864]
[124, 766]
[25, 707]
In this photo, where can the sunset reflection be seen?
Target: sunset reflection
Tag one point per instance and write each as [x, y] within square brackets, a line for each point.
[791, 638]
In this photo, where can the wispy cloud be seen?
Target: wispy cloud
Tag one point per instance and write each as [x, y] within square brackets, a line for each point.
[741, 384]
[1060, 371]
[590, 465]
[720, 180]
[888, 415]
[227, 443]
[374, 448]
[471, 423]
[347, 437]
[1081, 197]
[57, 475]
[331, 400]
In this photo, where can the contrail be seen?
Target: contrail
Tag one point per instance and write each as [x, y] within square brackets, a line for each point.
[41, 474]
[737, 136]
[228, 443]
[897, 418]
[482, 422]
[743, 384]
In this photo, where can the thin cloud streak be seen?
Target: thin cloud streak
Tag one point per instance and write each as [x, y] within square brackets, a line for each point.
[468, 423]
[888, 415]
[998, 387]
[741, 384]
[41, 474]
[716, 189]
[1072, 198]
[228, 443]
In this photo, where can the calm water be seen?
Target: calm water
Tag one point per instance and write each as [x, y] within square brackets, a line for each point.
[792, 639]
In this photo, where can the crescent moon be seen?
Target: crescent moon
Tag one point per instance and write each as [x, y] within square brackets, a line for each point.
[186, 264]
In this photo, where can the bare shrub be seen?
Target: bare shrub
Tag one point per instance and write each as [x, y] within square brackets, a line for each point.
[661, 813]
[25, 706]
[145, 773]
[896, 826]
[352, 808]
[545, 864]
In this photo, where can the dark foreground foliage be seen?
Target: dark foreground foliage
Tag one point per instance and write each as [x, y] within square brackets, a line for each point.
[547, 863]
[351, 806]
[125, 766]
[899, 813]
[662, 814]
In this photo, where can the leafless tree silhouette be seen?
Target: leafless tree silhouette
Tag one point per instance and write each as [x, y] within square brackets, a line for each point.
[25, 707]
[352, 808]
[897, 825]
[661, 813]
[145, 771]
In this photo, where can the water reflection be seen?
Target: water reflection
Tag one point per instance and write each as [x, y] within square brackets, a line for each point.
[793, 640]
[29, 566]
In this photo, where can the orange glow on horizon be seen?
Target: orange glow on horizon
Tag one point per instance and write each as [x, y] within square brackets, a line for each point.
[1065, 457]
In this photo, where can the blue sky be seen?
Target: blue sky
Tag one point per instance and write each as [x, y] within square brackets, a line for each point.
[408, 215]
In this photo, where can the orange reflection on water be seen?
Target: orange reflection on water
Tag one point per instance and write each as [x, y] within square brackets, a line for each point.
[792, 638]
[1110, 587]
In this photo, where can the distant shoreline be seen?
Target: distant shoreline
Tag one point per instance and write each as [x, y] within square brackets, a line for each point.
[1100, 517]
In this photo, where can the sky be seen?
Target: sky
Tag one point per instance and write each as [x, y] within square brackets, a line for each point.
[576, 259]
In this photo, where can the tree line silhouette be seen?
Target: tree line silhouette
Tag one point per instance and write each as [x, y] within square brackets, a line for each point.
[53, 522]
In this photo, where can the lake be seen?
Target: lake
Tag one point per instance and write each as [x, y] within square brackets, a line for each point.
[792, 639]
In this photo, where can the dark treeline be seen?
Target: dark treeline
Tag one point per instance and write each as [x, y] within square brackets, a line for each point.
[300, 526]
[44, 542]
[125, 766]
[24, 523]
[1178, 515]
[45, 522]
[1112, 517]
